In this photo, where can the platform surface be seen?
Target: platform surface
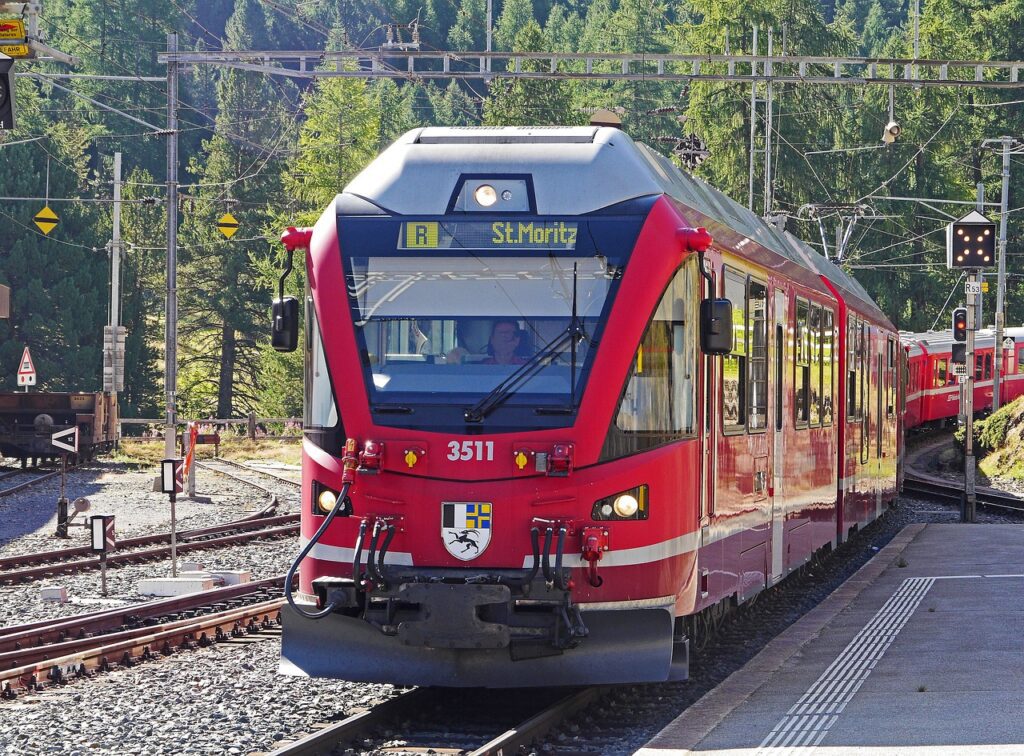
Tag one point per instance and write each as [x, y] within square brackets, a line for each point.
[925, 658]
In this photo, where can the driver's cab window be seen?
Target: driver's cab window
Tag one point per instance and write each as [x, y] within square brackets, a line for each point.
[660, 396]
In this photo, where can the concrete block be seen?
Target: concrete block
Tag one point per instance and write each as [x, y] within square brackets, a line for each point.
[233, 577]
[176, 586]
[56, 593]
[187, 566]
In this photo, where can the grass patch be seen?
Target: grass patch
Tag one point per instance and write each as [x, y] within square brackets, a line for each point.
[1000, 437]
[150, 452]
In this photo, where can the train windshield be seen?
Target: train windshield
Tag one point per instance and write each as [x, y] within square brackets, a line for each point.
[446, 335]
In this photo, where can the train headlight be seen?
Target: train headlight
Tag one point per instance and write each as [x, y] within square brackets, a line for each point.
[325, 499]
[485, 195]
[625, 505]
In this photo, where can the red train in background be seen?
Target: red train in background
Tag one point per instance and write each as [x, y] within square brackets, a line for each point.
[552, 423]
[933, 392]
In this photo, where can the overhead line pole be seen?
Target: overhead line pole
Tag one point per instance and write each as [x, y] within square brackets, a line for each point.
[1000, 354]
[171, 307]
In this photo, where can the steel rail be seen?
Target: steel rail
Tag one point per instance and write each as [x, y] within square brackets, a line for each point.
[281, 478]
[144, 643]
[350, 728]
[59, 555]
[22, 486]
[142, 555]
[534, 728]
[524, 734]
[42, 632]
[942, 489]
[206, 465]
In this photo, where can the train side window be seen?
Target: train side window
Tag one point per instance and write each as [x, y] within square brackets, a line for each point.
[851, 367]
[660, 396]
[734, 365]
[862, 355]
[757, 309]
[940, 373]
[978, 363]
[988, 366]
[802, 365]
[890, 389]
[321, 411]
[814, 337]
[828, 360]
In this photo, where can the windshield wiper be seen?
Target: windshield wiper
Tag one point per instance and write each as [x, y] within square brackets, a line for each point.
[500, 393]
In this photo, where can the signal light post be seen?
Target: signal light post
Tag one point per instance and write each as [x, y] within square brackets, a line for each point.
[970, 246]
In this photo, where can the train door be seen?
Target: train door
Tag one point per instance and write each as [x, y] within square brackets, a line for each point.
[880, 393]
[778, 435]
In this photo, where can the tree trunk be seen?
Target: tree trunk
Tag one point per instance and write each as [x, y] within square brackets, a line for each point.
[225, 389]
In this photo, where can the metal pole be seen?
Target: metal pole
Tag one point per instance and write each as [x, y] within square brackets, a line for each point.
[115, 249]
[998, 351]
[62, 501]
[490, 23]
[753, 123]
[171, 312]
[768, 129]
[969, 505]
[174, 536]
[103, 573]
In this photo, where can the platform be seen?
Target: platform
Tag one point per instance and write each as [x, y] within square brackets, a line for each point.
[925, 658]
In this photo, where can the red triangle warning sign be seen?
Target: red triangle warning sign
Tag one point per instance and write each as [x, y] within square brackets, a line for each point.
[26, 367]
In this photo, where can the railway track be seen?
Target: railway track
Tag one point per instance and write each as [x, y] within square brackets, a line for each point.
[491, 723]
[281, 485]
[944, 490]
[39, 477]
[31, 669]
[26, 567]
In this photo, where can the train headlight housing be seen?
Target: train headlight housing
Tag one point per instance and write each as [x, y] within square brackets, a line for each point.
[325, 499]
[485, 195]
[625, 505]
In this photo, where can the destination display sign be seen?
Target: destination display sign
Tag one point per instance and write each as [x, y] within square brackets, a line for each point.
[503, 234]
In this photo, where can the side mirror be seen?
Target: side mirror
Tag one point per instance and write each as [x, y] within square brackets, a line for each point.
[716, 326]
[284, 336]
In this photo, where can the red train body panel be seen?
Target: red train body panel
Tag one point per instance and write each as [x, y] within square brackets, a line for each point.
[567, 531]
[933, 391]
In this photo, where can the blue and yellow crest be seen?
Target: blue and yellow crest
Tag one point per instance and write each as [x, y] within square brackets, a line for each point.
[466, 528]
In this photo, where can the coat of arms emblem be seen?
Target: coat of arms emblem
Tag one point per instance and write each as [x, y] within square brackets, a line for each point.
[465, 528]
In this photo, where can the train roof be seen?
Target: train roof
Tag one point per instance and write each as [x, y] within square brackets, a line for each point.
[942, 341]
[417, 176]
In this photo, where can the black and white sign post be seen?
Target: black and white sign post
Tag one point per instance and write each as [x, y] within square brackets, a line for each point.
[172, 483]
[66, 441]
[970, 247]
[101, 528]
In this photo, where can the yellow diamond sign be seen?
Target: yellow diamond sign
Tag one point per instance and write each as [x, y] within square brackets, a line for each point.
[46, 219]
[227, 225]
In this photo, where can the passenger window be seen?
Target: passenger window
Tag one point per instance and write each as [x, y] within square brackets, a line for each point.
[851, 367]
[988, 367]
[661, 393]
[734, 365]
[814, 336]
[828, 365]
[757, 308]
[802, 348]
[940, 373]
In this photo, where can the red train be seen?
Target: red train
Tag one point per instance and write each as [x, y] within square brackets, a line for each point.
[564, 448]
[933, 393]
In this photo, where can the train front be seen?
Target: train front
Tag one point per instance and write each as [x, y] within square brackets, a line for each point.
[491, 420]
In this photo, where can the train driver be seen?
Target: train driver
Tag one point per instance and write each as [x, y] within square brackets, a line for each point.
[502, 347]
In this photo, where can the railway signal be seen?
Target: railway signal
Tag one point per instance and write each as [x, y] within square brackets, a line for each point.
[26, 370]
[227, 225]
[971, 242]
[960, 324]
[172, 482]
[101, 527]
[6, 92]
